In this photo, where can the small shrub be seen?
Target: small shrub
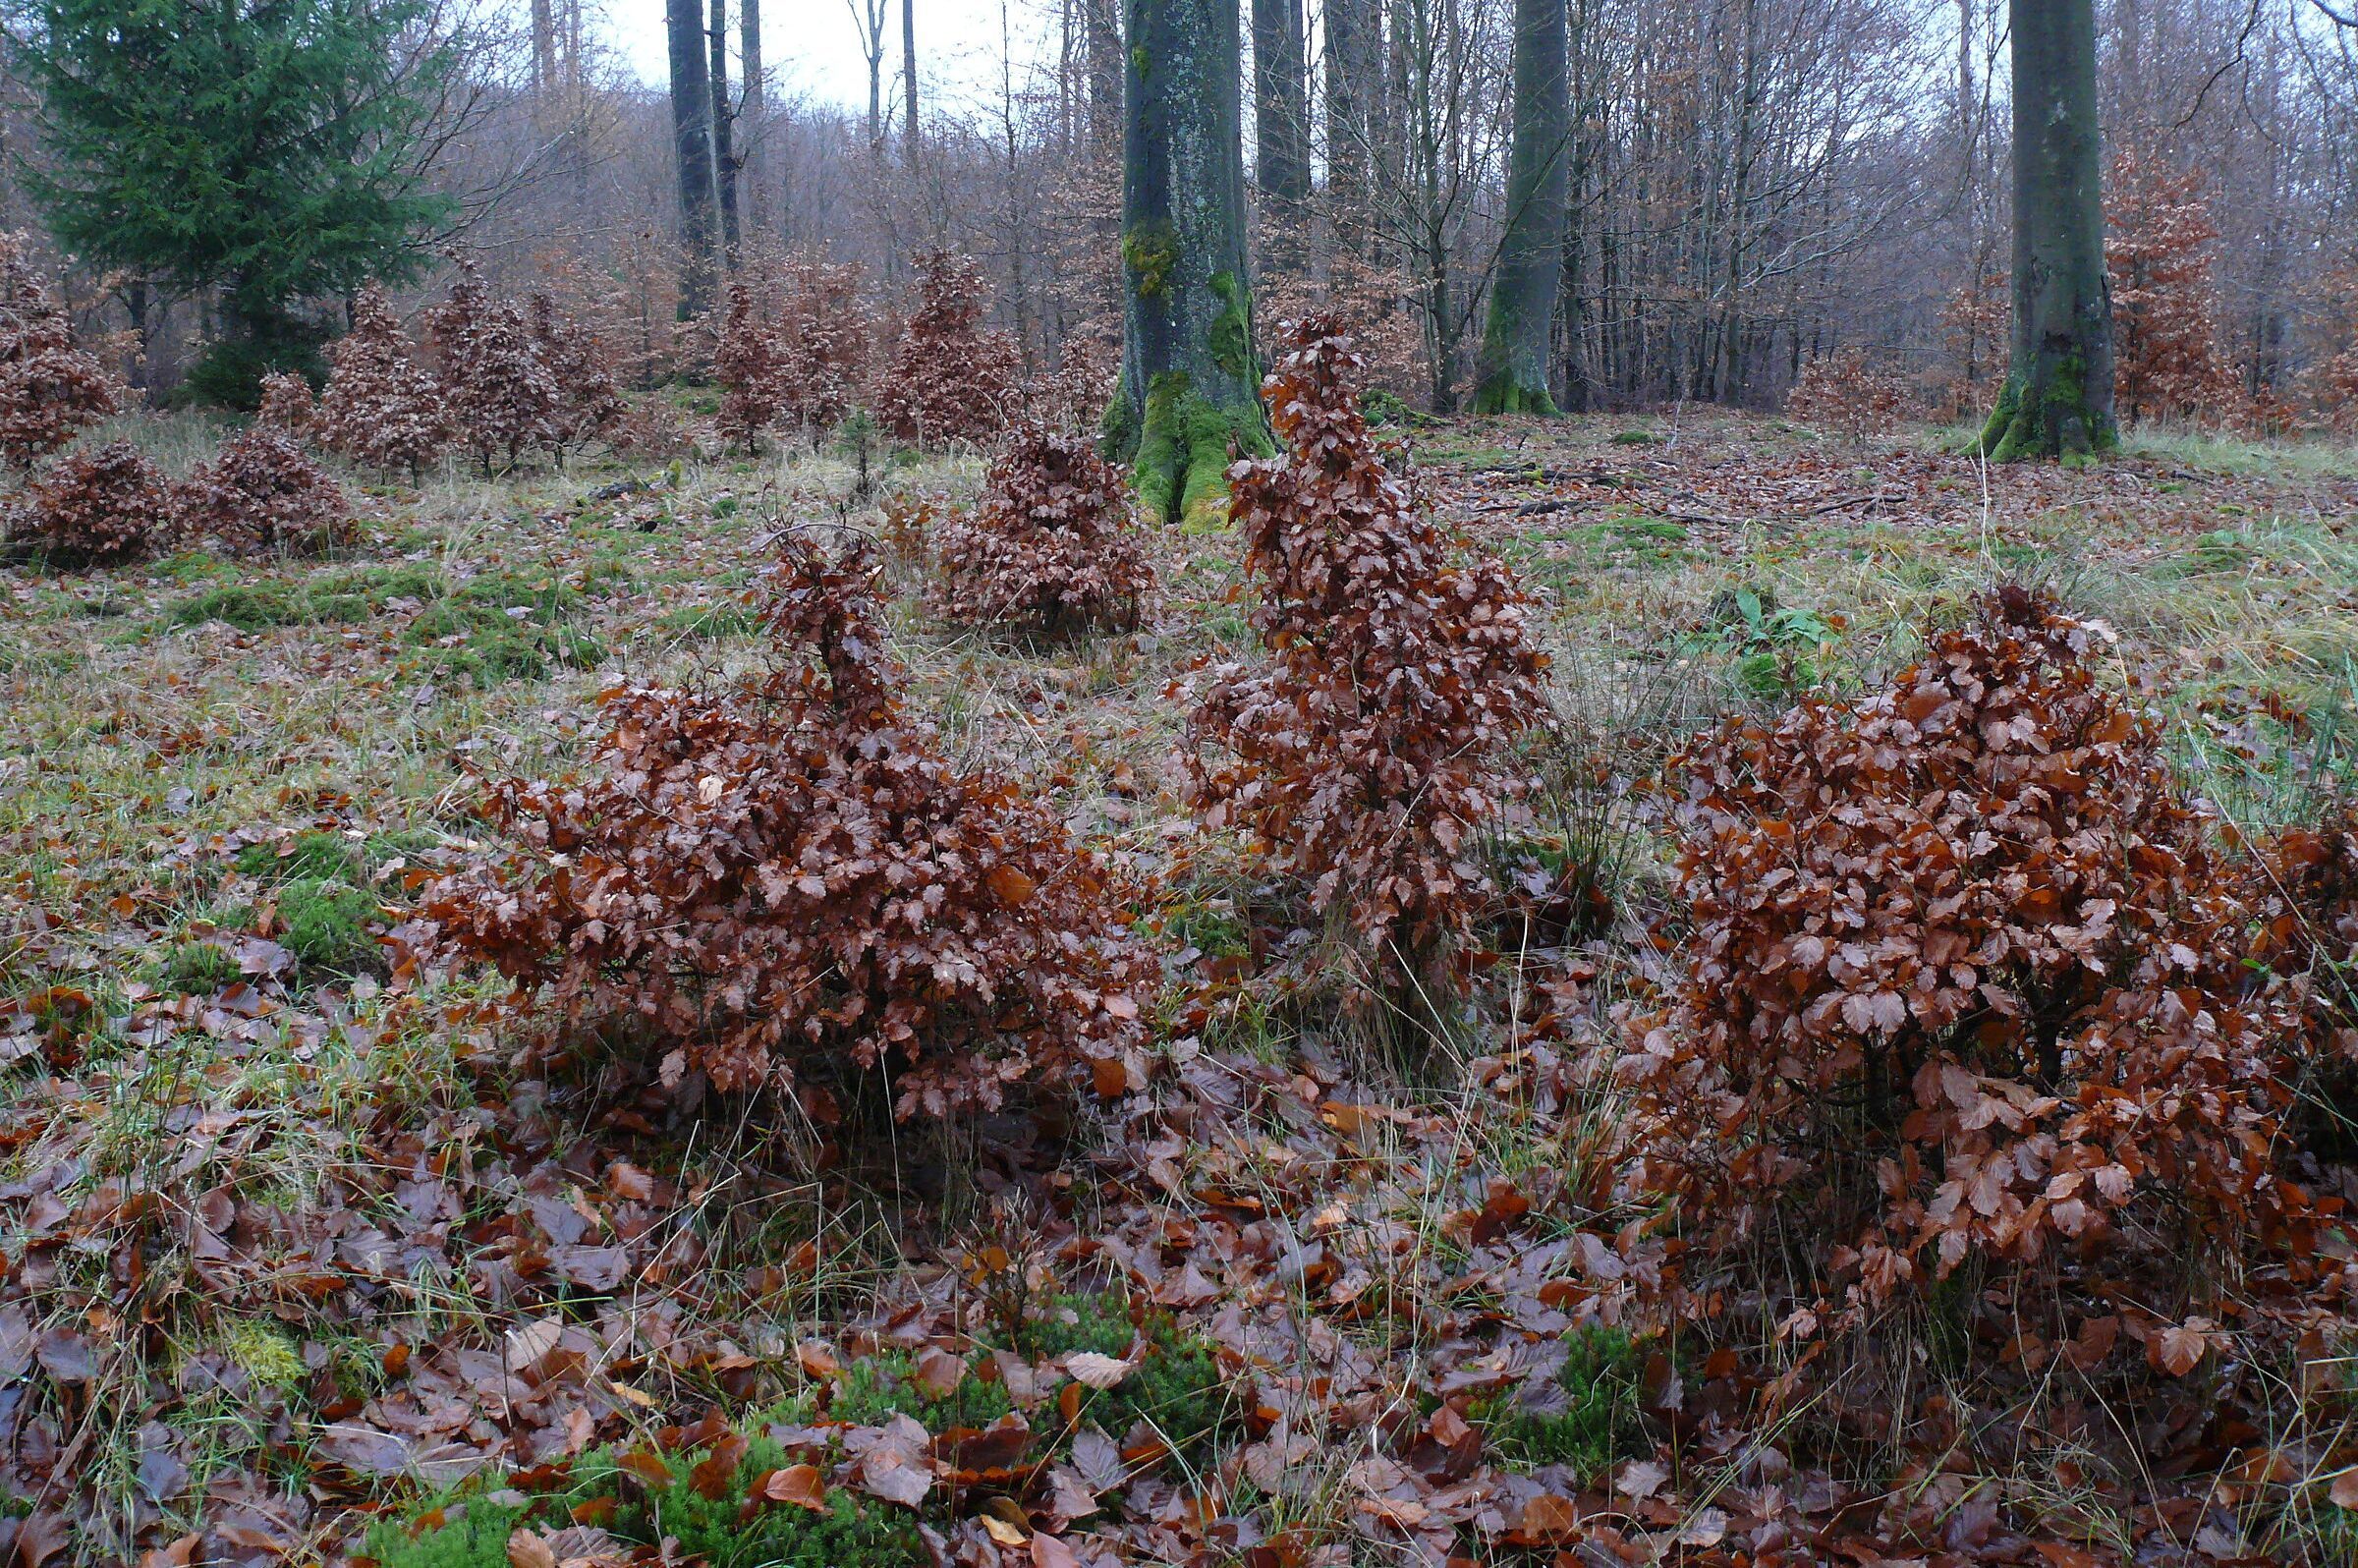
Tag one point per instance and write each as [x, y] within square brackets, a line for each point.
[2157, 254]
[746, 368]
[1962, 980]
[822, 343]
[315, 855]
[380, 405]
[1049, 548]
[784, 878]
[1850, 394]
[50, 391]
[262, 493]
[1361, 753]
[500, 395]
[96, 508]
[949, 378]
[287, 405]
[587, 400]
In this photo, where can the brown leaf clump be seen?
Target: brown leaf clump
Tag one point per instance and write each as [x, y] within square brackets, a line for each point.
[96, 508]
[287, 405]
[260, 493]
[1049, 549]
[1363, 752]
[746, 363]
[783, 881]
[1850, 394]
[949, 379]
[500, 394]
[382, 406]
[1964, 982]
[589, 401]
[2166, 362]
[50, 391]
[824, 342]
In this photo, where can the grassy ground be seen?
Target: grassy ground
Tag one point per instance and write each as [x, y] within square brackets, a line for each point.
[220, 780]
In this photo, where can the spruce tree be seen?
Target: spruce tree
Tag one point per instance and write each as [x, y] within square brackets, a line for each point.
[270, 150]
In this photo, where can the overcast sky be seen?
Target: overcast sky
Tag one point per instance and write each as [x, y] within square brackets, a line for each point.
[813, 45]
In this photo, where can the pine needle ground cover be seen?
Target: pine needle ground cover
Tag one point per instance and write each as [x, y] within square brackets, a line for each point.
[314, 1251]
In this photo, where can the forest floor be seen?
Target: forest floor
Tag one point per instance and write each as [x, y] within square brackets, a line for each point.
[294, 1240]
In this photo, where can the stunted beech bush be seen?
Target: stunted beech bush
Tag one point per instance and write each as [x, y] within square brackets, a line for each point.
[1049, 548]
[784, 881]
[2157, 254]
[746, 363]
[380, 405]
[500, 395]
[96, 508]
[262, 493]
[50, 391]
[949, 378]
[1362, 753]
[1963, 981]
[1851, 394]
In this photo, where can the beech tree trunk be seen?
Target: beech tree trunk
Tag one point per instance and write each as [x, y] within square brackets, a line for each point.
[749, 129]
[908, 78]
[724, 150]
[692, 144]
[1190, 384]
[2057, 399]
[1350, 77]
[1511, 368]
[1281, 130]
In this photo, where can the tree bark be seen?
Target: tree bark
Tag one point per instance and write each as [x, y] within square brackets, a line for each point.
[909, 80]
[1281, 129]
[2057, 400]
[724, 136]
[1350, 67]
[1189, 378]
[752, 96]
[692, 144]
[545, 50]
[1511, 368]
[1104, 24]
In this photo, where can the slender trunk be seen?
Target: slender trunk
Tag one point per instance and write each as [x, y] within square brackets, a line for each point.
[909, 80]
[1511, 370]
[1349, 63]
[1188, 382]
[545, 50]
[724, 152]
[1105, 28]
[749, 132]
[2057, 400]
[692, 140]
[1282, 126]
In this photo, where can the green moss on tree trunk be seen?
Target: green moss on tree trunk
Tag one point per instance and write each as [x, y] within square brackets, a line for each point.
[2047, 415]
[1184, 445]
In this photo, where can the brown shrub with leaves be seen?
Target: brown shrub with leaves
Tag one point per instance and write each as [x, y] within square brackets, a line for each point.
[95, 507]
[50, 391]
[784, 881]
[2165, 358]
[382, 406]
[1962, 982]
[262, 493]
[746, 363]
[287, 405]
[578, 360]
[1850, 394]
[949, 379]
[1363, 752]
[500, 395]
[1049, 549]
[825, 338]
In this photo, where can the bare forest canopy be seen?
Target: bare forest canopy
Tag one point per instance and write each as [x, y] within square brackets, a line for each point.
[1751, 183]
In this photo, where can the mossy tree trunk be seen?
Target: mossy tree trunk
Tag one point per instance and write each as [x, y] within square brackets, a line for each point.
[1189, 383]
[1511, 368]
[2058, 398]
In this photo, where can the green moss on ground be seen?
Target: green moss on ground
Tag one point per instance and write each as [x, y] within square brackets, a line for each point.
[1598, 1419]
